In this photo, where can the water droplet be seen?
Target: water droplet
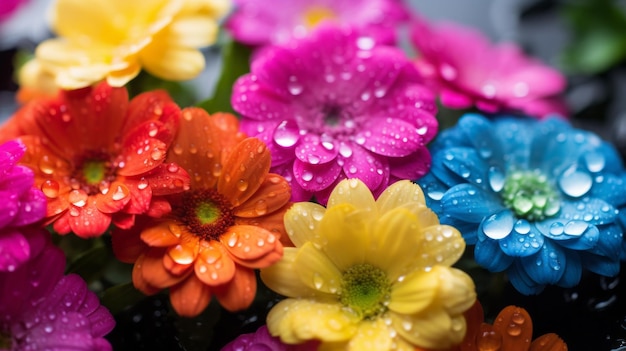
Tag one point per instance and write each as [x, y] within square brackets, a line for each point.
[447, 72]
[499, 225]
[242, 185]
[496, 179]
[78, 197]
[522, 226]
[143, 183]
[489, 91]
[595, 161]
[518, 318]
[120, 193]
[318, 281]
[514, 330]
[556, 228]
[260, 207]
[345, 150]
[489, 341]
[575, 183]
[365, 43]
[520, 89]
[307, 176]
[286, 134]
[232, 241]
[50, 188]
[575, 228]
[295, 88]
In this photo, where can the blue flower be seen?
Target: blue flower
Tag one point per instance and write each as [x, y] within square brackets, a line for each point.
[538, 199]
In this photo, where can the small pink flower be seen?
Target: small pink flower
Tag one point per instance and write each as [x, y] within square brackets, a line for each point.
[8, 7]
[254, 22]
[336, 105]
[262, 340]
[22, 204]
[466, 69]
[40, 309]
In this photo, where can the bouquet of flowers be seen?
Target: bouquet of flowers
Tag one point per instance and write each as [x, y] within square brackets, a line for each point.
[357, 177]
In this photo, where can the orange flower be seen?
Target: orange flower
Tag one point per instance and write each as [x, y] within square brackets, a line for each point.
[512, 330]
[99, 158]
[228, 223]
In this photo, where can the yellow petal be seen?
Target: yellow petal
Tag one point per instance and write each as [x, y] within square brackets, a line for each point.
[441, 245]
[415, 292]
[194, 31]
[347, 232]
[457, 291]
[354, 192]
[400, 194]
[394, 242]
[299, 320]
[432, 329]
[283, 278]
[371, 335]
[119, 78]
[316, 271]
[172, 63]
[302, 222]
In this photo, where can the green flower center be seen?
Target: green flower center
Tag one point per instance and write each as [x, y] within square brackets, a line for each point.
[6, 342]
[94, 172]
[365, 289]
[206, 213]
[530, 195]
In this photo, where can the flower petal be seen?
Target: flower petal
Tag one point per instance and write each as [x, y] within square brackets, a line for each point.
[237, 294]
[414, 293]
[469, 203]
[14, 250]
[548, 342]
[153, 270]
[88, 221]
[371, 335]
[273, 194]
[366, 166]
[433, 329]
[516, 328]
[302, 221]
[344, 226]
[354, 192]
[316, 270]
[403, 193]
[313, 151]
[213, 266]
[313, 178]
[248, 242]
[160, 234]
[190, 297]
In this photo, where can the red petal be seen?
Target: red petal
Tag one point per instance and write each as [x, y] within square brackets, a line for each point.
[168, 179]
[142, 153]
[140, 195]
[238, 294]
[214, 266]
[114, 200]
[127, 245]
[123, 220]
[159, 207]
[153, 106]
[190, 297]
[88, 221]
[474, 317]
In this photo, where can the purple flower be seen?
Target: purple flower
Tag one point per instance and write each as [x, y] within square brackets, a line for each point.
[254, 22]
[40, 309]
[466, 69]
[261, 340]
[336, 105]
[21, 205]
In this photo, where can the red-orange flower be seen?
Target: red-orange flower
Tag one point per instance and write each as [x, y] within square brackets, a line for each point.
[226, 225]
[512, 330]
[98, 157]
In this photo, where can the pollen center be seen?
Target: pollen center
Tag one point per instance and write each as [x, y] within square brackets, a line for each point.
[530, 195]
[365, 289]
[316, 14]
[6, 343]
[206, 213]
[94, 172]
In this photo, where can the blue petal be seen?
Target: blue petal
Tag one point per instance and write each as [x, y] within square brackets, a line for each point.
[515, 137]
[480, 132]
[522, 282]
[612, 160]
[575, 235]
[467, 230]
[469, 203]
[573, 270]
[609, 243]
[524, 240]
[443, 173]
[487, 253]
[467, 164]
[591, 210]
[547, 265]
[434, 190]
[610, 188]
[600, 265]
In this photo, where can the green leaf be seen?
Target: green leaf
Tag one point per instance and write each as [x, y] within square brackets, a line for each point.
[120, 297]
[235, 63]
[90, 264]
[182, 94]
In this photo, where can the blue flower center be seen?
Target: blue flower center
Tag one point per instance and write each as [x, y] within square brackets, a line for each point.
[365, 289]
[530, 195]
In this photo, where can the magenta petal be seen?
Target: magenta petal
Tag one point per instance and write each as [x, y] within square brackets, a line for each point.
[10, 153]
[314, 151]
[9, 206]
[368, 167]
[453, 99]
[19, 179]
[257, 102]
[298, 194]
[413, 166]
[389, 137]
[14, 250]
[314, 178]
[69, 332]
[33, 208]
[102, 322]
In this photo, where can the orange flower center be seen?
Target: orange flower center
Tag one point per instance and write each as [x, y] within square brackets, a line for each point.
[206, 213]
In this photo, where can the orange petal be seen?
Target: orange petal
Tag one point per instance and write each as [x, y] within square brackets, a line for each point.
[154, 271]
[247, 242]
[115, 199]
[190, 297]
[548, 342]
[186, 251]
[127, 245]
[214, 266]
[516, 328]
[487, 339]
[273, 222]
[238, 294]
[160, 234]
[273, 194]
[474, 317]
[244, 171]
[175, 267]
[139, 282]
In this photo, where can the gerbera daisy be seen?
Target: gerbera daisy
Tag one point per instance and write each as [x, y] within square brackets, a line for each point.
[40, 309]
[262, 340]
[253, 22]
[226, 225]
[22, 205]
[370, 275]
[467, 70]
[99, 158]
[335, 105]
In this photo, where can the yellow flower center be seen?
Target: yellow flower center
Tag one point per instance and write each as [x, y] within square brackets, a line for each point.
[94, 172]
[316, 14]
[365, 289]
[207, 213]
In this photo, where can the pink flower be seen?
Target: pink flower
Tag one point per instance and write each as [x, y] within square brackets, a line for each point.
[22, 204]
[466, 69]
[8, 7]
[40, 309]
[336, 105]
[254, 22]
[262, 340]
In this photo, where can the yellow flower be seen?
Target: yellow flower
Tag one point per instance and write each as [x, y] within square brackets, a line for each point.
[370, 275]
[114, 39]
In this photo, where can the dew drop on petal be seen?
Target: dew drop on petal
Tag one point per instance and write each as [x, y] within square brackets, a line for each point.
[307, 176]
[576, 228]
[496, 179]
[295, 88]
[78, 197]
[498, 226]
[50, 188]
[260, 207]
[595, 161]
[447, 72]
[522, 226]
[242, 185]
[575, 183]
[120, 193]
[286, 134]
[143, 183]
[557, 228]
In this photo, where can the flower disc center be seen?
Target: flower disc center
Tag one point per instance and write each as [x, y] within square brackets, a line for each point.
[365, 289]
[94, 172]
[316, 14]
[207, 213]
[6, 343]
[530, 195]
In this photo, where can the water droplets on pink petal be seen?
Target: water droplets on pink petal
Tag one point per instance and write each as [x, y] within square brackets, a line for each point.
[315, 177]
[313, 151]
[287, 133]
